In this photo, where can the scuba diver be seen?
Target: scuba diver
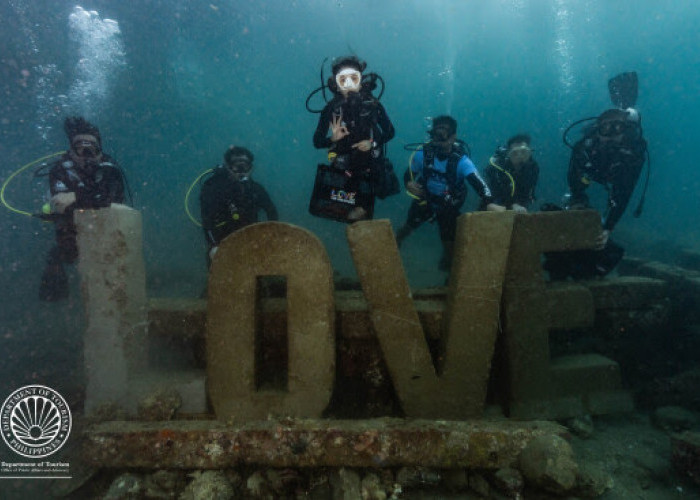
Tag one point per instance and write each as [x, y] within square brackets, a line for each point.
[83, 178]
[512, 174]
[435, 181]
[230, 199]
[612, 153]
[359, 128]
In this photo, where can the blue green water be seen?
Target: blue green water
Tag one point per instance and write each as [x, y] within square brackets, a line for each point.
[173, 83]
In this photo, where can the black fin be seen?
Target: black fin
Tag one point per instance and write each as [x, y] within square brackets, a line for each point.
[623, 90]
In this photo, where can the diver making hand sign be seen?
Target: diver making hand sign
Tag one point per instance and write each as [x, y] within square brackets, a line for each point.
[354, 127]
[339, 131]
[338, 128]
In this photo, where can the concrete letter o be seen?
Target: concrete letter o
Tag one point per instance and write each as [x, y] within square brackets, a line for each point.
[264, 249]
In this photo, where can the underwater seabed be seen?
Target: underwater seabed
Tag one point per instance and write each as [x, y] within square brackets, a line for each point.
[600, 400]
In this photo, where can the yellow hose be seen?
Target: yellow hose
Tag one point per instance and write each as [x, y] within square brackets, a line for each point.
[410, 172]
[187, 197]
[15, 174]
[512, 181]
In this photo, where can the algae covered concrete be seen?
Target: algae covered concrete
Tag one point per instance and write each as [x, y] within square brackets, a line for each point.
[290, 442]
[457, 389]
[113, 285]
[540, 387]
[259, 250]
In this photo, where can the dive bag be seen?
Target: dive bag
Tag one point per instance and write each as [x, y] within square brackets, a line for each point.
[384, 179]
[337, 192]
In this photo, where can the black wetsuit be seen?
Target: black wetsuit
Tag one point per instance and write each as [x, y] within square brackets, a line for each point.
[228, 204]
[95, 186]
[510, 185]
[615, 165]
[365, 118]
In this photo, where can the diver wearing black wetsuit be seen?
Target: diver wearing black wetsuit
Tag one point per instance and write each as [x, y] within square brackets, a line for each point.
[231, 200]
[83, 178]
[512, 174]
[359, 128]
[364, 118]
[612, 154]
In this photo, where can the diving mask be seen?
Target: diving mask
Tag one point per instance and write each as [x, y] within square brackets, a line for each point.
[520, 153]
[86, 149]
[240, 164]
[348, 80]
[611, 128]
[442, 141]
[440, 134]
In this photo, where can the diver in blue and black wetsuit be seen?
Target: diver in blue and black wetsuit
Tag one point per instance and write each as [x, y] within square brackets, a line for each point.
[435, 180]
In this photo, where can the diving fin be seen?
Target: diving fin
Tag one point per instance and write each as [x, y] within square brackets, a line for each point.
[623, 90]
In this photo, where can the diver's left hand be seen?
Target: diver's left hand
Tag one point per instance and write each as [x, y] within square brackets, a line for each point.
[415, 189]
[61, 201]
[492, 207]
[365, 145]
[602, 239]
[519, 208]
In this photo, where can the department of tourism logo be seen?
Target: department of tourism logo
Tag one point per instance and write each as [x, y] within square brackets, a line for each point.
[35, 421]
